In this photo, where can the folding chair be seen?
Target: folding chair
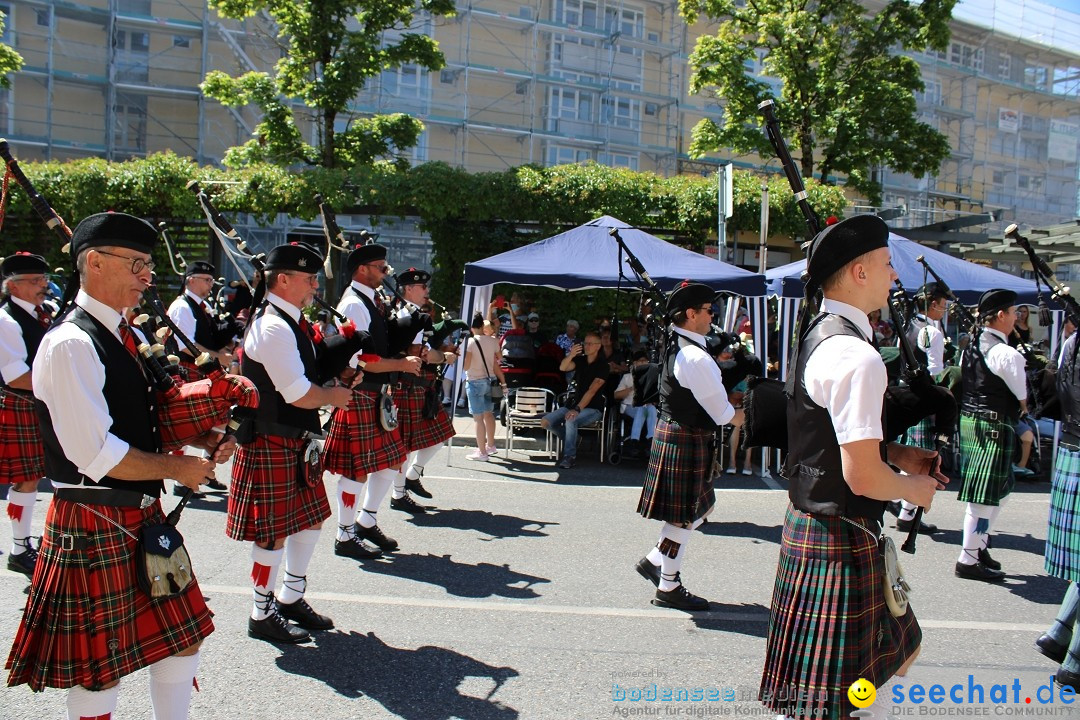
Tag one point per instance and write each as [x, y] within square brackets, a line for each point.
[527, 408]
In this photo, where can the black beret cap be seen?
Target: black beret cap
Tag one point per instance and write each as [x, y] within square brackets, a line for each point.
[837, 245]
[116, 229]
[931, 291]
[23, 263]
[296, 256]
[688, 294]
[363, 254]
[993, 300]
[199, 267]
[412, 276]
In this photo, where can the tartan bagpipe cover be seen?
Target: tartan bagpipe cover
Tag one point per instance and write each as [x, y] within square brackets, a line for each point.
[189, 411]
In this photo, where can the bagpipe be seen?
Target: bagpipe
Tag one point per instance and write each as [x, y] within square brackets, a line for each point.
[187, 411]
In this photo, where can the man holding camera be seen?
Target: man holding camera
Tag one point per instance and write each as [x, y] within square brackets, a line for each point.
[586, 404]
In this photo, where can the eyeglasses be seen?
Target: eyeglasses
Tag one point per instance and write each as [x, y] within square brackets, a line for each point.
[137, 264]
[534, 320]
[381, 268]
[592, 342]
[311, 279]
[202, 278]
[30, 279]
[706, 309]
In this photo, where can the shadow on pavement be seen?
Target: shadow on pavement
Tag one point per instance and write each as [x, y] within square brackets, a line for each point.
[461, 579]
[420, 684]
[762, 533]
[1040, 589]
[496, 526]
[752, 620]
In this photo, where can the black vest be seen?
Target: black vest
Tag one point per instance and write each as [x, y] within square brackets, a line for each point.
[272, 407]
[379, 337]
[204, 327]
[983, 390]
[32, 331]
[917, 324]
[1068, 387]
[813, 467]
[132, 404]
[676, 402]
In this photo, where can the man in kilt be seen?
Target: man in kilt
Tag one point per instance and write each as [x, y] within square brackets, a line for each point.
[995, 395]
[423, 437]
[360, 451]
[1061, 643]
[678, 487]
[830, 563]
[277, 499]
[23, 321]
[87, 622]
[928, 342]
[192, 316]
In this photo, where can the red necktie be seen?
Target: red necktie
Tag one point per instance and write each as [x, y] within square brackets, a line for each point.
[205, 308]
[42, 316]
[128, 338]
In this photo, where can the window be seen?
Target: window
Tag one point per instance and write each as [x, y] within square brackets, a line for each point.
[180, 41]
[563, 155]
[132, 55]
[1036, 75]
[931, 95]
[628, 21]
[966, 55]
[42, 17]
[406, 81]
[618, 160]
[998, 177]
[1023, 182]
[129, 127]
[1005, 66]
[569, 104]
[579, 13]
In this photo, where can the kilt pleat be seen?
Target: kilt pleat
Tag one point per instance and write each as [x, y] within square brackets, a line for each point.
[828, 622]
[22, 456]
[418, 432]
[268, 500]
[87, 622]
[919, 435]
[986, 461]
[356, 443]
[678, 484]
[1063, 528]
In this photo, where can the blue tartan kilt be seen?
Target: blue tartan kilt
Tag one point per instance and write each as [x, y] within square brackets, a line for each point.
[1063, 530]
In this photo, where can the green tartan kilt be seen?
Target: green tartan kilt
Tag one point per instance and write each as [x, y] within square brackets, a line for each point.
[1063, 529]
[986, 451]
[920, 435]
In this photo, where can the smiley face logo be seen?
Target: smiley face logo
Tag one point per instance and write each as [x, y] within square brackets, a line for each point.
[862, 693]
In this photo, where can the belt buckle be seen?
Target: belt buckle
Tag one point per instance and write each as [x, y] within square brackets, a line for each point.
[993, 415]
[992, 434]
[67, 542]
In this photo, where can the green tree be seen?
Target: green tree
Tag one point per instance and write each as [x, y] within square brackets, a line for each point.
[10, 61]
[846, 94]
[331, 49]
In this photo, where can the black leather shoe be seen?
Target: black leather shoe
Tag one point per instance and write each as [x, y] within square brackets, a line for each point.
[924, 528]
[214, 484]
[985, 559]
[1049, 647]
[648, 571]
[680, 598]
[356, 549]
[407, 504]
[302, 614]
[375, 535]
[179, 490]
[978, 571]
[1063, 677]
[24, 562]
[893, 507]
[275, 628]
[417, 487]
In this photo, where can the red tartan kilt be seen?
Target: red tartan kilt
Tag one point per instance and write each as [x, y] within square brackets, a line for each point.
[22, 457]
[416, 432]
[87, 622]
[267, 499]
[356, 443]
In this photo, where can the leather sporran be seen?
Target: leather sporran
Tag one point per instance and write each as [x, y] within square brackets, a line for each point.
[311, 471]
[387, 410]
[896, 587]
[432, 404]
[162, 565]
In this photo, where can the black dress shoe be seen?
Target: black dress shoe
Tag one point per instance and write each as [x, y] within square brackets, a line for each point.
[179, 490]
[680, 598]
[417, 487]
[275, 628]
[1049, 647]
[985, 559]
[1063, 677]
[978, 571]
[214, 484]
[405, 503]
[24, 562]
[648, 571]
[356, 549]
[375, 535]
[302, 614]
[924, 528]
[893, 507]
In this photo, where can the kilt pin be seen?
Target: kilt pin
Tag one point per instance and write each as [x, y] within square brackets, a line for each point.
[87, 622]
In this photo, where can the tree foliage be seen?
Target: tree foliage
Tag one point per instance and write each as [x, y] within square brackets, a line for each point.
[331, 50]
[846, 96]
[10, 60]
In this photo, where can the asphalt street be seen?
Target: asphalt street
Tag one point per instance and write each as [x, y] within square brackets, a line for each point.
[517, 598]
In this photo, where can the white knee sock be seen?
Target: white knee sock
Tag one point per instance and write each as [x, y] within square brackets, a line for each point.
[83, 704]
[264, 572]
[419, 458]
[171, 682]
[399, 480]
[655, 555]
[672, 548]
[907, 510]
[299, 547]
[995, 510]
[349, 495]
[976, 526]
[21, 511]
[377, 485]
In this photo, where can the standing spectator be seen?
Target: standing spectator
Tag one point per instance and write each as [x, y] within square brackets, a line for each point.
[1023, 329]
[641, 416]
[531, 328]
[481, 371]
[568, 338]
[587, 403]
[324, 325]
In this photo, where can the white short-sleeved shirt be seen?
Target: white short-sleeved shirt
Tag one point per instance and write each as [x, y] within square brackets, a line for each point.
[846, 376]
[1008, 364]
[696, 371]
[13, 357]
[928, 337]
[181, 314]
[353, 308]
[271, 342]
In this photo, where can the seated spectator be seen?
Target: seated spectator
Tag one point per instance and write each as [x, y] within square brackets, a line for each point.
[568, 338]
[637, 337]
[585, 406]
[643, 416]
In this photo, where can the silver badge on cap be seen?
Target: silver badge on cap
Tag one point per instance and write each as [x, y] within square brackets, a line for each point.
[302, 262]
